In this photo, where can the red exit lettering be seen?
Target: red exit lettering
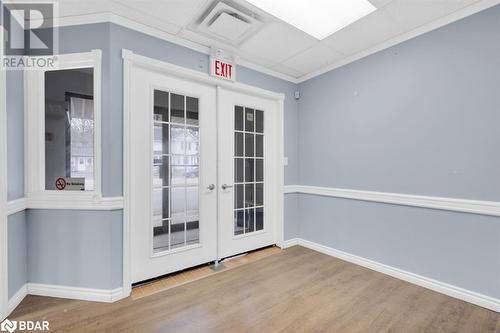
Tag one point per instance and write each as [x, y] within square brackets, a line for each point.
[223, 69]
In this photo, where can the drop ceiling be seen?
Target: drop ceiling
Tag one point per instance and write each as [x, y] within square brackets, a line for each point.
[275, 45]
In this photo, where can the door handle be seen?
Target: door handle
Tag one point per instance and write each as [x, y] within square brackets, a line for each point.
[225, 186]
[211, 187]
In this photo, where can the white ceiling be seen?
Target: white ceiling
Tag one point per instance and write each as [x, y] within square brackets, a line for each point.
[276, 45]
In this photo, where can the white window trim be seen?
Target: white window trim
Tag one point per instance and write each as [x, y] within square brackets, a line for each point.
[34, 85]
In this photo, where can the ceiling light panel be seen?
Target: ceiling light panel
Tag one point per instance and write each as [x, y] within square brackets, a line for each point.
[318, 18]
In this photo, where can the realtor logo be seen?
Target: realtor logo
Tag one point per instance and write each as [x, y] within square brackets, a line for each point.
[30, 39]
[30, 326]
[8, 326]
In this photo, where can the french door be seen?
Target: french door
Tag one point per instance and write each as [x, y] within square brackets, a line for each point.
[173, 166]
[203, 173]
[248, 172]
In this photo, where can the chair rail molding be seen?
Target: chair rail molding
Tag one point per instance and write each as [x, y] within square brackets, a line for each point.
[491, 208]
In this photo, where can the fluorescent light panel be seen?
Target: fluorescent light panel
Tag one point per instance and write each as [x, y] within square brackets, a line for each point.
[318, 18]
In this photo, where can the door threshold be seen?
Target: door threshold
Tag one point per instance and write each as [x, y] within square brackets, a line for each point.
[166, 282]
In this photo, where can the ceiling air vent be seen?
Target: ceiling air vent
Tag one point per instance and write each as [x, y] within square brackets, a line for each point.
[228, 24]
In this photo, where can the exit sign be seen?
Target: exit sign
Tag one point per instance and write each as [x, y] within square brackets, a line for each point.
[222, 65]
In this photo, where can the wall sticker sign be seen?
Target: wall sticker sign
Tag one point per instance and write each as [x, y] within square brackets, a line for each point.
[222, 65]
[70, 184]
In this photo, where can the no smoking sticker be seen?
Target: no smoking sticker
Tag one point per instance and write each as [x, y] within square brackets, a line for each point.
[60, 184]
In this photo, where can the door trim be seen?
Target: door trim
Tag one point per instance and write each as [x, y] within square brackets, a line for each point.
[130, 60]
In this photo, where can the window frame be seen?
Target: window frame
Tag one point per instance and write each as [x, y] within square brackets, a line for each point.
[34, 116]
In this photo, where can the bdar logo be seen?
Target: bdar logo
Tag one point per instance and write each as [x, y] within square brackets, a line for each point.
[8, 326]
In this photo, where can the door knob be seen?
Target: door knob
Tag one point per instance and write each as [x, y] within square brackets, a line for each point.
[211, 187]
[225, 186]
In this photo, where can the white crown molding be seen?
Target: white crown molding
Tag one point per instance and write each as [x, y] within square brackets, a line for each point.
[160, 34]
[84, 294]
[460, 14]
[491, 208]
[438, 286]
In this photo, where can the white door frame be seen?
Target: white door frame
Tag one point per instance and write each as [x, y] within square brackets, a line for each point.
[4, 286]
[130, 59]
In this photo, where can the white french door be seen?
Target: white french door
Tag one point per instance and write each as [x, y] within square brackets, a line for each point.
[249, 162]
[205, 179]
[173, 174]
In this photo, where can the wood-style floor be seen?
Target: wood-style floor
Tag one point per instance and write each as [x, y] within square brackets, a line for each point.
[295, 290]
[176, 279]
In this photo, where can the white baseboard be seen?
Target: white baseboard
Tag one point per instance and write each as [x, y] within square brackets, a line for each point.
[15, 300]
[438, 286]
[84, 294]
[290, 242]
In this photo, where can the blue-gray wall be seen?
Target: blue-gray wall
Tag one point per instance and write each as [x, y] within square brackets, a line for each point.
[17, 248]
[75, 248]
[459, 249]
[416, 118]
[422, 118]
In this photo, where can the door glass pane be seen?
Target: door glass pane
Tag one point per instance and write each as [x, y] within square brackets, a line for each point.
[259, 121]
[161, 106]
[238, 170]
[175, 197]
[249, 145]
[177, 109]
[259, 146]
[248, 171]
[238, 118]
[239, 222]
[178, 233]
[259, 219]
[259, 170]
[192, 111]
[249, 120]
[238, 144]
[249, 220]
[160, 171]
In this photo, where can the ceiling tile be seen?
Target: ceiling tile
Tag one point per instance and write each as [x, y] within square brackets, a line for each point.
[78, 7]
[365, 33]
[277, 42]
[177, 12]
[288, 71]
[414, 13]
[380, 3]
[313, 58]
